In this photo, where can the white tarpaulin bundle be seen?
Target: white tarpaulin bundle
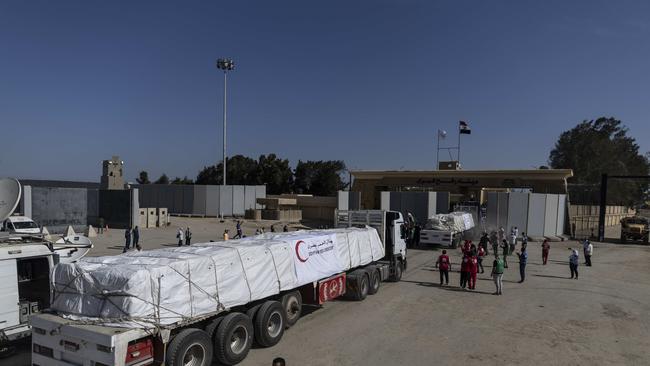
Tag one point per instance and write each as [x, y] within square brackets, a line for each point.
[165, 286]
[455, 221]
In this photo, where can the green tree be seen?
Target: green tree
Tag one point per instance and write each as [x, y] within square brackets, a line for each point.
[184, 180]
[275, 173]
[164, 179]
[143, 178]
[241, 170]
[602, 146]
[320, 178]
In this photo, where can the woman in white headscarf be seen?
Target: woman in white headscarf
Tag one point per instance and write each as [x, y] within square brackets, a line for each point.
[573, 263]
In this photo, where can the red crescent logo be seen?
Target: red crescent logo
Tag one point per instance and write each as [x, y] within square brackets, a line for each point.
[298, 251]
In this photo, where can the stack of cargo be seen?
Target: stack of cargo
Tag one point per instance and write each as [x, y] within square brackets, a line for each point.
[166, 286]
[455, 222]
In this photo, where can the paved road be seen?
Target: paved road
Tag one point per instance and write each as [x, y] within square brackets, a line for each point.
[600, 319]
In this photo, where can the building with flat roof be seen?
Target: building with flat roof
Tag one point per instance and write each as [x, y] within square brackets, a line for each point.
[463, 185]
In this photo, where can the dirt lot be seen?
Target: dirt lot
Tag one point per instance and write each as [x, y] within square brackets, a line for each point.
[600, 319]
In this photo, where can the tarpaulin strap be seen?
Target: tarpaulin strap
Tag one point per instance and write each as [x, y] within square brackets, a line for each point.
[250, 292]
[275, 267]
[347, 237]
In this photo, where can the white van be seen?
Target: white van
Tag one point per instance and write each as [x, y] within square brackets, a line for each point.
[20, 225]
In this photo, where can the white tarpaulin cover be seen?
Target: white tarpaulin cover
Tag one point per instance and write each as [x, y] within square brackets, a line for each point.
[455, 221]
[165, 286]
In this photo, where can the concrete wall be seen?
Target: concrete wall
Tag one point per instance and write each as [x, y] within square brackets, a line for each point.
[348, 200]
[201, 200]
[115, 208]
[536, 214]
[420, 204]
[56, 208]
[517, 211]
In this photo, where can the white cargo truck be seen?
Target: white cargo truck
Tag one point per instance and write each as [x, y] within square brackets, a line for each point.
[190, 305]
[447, 229]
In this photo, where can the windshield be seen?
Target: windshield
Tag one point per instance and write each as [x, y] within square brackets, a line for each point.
[24, 225]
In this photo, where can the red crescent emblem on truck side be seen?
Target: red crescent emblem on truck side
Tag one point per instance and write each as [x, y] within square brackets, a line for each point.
[298, 251]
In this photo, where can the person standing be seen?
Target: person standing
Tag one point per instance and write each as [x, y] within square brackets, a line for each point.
[136, 238]
[238, 235]
[188, 236]
[444, 266]
[101, 225]
[272, 228]
[473, 269]
[513, 239]
[524, 241]
[502, 234]
[464, 270]
[285, 228]
[494, 240]
[180, 235]
[588, 253]
[481, 253]
[483, 242]
[574, 258]
[497, 274]
[586, 245]
[225, 235]
[546, 247]
[523, 260]
[505, 247]
[127, 239]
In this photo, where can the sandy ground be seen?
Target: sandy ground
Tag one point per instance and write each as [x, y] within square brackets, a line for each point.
[599, 319]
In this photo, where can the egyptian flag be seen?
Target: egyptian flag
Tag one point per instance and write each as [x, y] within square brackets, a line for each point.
[464, 127]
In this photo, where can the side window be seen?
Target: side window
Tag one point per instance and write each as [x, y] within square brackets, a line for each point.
[402, 231]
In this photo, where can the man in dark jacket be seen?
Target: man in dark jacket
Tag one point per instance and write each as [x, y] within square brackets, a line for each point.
[127, 239]
[136, 238]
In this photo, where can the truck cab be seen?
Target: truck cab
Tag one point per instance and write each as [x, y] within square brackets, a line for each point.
[20, 225]
[24, 284]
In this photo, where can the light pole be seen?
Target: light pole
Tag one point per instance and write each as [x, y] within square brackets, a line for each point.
[226, 65]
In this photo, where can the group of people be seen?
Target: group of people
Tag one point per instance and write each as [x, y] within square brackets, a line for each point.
[473, 256]
[184, 236]
[240, 234]
[131, 239]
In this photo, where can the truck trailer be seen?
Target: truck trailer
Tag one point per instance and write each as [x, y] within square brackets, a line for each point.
[210, 301]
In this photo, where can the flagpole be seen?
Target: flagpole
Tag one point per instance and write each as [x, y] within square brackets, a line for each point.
[459, 146]
[438, 152]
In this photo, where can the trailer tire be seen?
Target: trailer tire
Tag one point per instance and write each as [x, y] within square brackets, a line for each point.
[269, 324]
[212, 326]
[397, 275]
[252, 311]
[190, 345]
[375, 281]
[623, 238]
[292, 304]
[233, 338]
[362, 288]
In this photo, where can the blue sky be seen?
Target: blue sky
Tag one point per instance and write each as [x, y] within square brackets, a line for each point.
[368, 82]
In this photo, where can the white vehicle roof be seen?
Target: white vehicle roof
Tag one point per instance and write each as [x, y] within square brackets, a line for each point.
[19, 219]
[23, 250]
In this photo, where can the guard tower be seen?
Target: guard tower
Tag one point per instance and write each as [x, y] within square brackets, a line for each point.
[112, 177]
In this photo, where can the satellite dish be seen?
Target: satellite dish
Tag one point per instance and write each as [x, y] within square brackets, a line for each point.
[9, 197]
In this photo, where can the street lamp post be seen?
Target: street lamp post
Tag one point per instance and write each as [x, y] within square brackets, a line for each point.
[226, 65]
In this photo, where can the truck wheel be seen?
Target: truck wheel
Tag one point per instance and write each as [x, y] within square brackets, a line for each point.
[269, 324]
[397, 276]
[623, 238]
[362, 288]
[292, 304]
[190, 347]
[375, 281]
[212, 326]
[645, 239]
[233, 339]
[252, 311]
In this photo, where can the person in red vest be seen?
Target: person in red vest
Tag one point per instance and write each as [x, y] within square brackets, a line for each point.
[473, 269]
[480, 255]
[444, 266]
[464, 270]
